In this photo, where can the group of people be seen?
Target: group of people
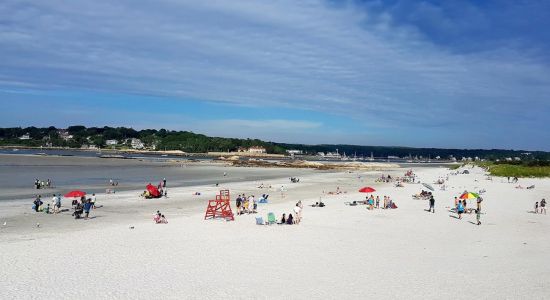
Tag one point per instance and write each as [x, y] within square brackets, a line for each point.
[293, 219]
[513, 179]
[53, 207]
[461, 208]
[160, 218]
[384, 178]
[83, 206]
[294, 179]
[540, 208]
[41, 184]
[372, 202]
[246, 205]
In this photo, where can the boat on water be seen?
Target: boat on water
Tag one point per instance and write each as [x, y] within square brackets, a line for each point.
[41, 154]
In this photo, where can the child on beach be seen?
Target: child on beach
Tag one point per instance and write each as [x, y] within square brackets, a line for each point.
[543, 206]
[460, 209]
[537, 207]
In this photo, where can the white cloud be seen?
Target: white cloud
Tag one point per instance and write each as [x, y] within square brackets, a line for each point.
[295, 54]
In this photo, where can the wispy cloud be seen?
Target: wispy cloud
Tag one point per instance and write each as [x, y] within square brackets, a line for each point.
[375, 64]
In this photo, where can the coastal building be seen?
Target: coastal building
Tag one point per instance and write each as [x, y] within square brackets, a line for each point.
[253, 149]
[64, 134]
[111, 142]
[88, 147]
[294, 152]
[26, 136]
[257, 150]
[137, 144]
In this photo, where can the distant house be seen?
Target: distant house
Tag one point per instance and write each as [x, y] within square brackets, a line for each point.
[294, 152]
[137, 144]
[64, 134]
[257, 150]
[26, 136]
[89, 147]
[111, 142]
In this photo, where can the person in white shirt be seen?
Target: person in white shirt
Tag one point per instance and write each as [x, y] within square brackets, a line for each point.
[297, 213]
[93, 200]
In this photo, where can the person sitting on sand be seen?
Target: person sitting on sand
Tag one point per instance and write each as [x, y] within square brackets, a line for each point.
[163, 220]
[283, 219]
[290, 220]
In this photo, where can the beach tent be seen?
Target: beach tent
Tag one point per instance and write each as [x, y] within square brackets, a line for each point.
[465, 172]
[153, 191]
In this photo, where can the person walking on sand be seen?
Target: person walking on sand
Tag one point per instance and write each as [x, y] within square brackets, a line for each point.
[37, 202]
[460, 209]
[432, 205]
[93, 200]
[543, 206]
[377, 202]
[57, 207]
[87, 207]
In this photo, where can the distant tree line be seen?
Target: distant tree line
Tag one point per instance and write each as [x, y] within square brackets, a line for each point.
[198, 143]
[159, 139]
[385, 151]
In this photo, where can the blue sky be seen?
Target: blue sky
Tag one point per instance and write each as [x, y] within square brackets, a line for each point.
[461, 74]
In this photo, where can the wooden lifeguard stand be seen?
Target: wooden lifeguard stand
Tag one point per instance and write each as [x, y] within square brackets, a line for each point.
[220, 207]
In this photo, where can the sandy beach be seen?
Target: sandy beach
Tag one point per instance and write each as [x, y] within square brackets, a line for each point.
[337, 251]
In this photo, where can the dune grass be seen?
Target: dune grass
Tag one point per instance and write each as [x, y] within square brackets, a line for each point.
[511, 170]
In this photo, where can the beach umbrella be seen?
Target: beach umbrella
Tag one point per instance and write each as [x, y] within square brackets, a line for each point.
[429, 187]
[75, 194]
[469, 195]
[153, 190]
[367, 189]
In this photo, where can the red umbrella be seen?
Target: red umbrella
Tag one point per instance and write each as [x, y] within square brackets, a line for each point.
[367, 189]
[153, 190]
[75, 194]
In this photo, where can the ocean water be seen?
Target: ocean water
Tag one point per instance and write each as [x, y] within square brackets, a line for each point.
[92, 174]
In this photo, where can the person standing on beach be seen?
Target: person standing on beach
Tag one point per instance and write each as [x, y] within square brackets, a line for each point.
[478, 216]
[543, 206]
[537, 207]
[87, 207]
[163, 182]
[57, 208]
[238, 203]
[93, 201]
[37, 202]
[432, 205]
[460, 209]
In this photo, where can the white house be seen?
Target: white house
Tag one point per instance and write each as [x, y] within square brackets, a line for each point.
[26, 136]
[137, 144]
[111, 142]
[257, 150]
[294, 152]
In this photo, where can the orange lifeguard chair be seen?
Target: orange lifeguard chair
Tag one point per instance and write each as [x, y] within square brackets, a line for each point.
[220, 208]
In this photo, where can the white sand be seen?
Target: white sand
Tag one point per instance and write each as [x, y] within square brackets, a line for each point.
[337, 251]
